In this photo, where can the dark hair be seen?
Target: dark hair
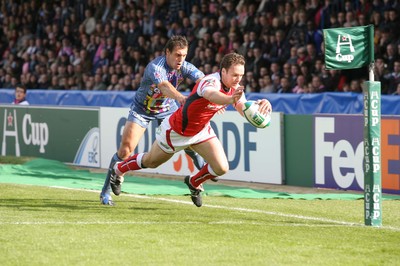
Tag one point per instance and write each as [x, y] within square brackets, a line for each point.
[21, 86]
[232, 59]
[176, 41]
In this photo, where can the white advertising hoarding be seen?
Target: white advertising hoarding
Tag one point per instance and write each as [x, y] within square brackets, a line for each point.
[254, 155]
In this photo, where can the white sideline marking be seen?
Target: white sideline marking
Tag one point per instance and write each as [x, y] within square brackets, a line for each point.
[301, 217]
[161, 223]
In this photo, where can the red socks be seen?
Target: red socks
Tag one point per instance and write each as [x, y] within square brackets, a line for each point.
[135, 163]
[132, 163]
[203, 175]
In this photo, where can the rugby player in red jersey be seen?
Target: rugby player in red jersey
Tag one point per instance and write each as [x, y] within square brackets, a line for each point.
[189, 126]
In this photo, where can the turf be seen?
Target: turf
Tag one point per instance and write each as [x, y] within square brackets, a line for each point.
[58, 226]
[46, 172]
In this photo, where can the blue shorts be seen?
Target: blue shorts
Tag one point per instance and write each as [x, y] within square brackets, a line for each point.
[140, 117]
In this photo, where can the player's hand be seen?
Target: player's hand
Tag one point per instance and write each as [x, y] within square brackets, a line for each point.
[265, 106]
[181, 99]
[237, 94]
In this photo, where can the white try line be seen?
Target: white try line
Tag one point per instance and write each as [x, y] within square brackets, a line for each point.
[272, 213]
[236, 222]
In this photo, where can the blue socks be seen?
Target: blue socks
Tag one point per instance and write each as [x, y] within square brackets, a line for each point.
[197, 159]
[106, 187]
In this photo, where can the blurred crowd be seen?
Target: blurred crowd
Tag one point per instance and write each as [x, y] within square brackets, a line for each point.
[106, 44]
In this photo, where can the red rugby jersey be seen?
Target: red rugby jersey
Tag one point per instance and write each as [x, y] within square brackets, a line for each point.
[197, 111]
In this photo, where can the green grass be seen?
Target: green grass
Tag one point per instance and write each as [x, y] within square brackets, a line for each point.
[55, 226]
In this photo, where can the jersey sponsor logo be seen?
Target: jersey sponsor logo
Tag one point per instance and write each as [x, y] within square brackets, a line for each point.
[209, 82]
[168, 148]
[212, 106]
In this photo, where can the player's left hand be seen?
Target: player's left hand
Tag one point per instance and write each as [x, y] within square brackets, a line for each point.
[265, 106]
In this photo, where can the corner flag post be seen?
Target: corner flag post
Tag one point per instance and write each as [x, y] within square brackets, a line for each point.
[348, 48]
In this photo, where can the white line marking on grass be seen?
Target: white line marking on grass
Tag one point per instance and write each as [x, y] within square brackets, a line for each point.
[160, 223]
[93, 223]
[301, 217]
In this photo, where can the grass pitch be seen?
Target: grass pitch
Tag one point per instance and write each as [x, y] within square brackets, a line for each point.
[56, 226]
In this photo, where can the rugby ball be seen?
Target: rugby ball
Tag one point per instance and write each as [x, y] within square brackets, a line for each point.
[253, 116]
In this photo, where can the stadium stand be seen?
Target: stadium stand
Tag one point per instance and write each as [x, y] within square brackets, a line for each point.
[105, 44]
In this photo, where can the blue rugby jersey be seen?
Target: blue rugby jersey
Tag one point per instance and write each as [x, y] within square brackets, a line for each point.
[149, 98]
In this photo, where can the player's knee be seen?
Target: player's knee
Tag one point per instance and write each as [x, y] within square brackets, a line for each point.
[124, 151]
[221, 169]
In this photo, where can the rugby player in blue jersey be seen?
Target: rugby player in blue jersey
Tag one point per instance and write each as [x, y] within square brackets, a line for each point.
[155, 99]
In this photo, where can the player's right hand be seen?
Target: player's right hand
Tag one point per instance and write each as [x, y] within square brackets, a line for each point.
[181, 99]
[237, 94]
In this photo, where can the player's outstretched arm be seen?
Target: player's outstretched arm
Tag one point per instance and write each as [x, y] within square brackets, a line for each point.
[170, 91]
[265, 106]
[217, 97]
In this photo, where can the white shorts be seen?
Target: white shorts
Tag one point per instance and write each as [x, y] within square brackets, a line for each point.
[172, 142]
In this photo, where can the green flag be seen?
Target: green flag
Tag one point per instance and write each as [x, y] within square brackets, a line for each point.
[347, 48]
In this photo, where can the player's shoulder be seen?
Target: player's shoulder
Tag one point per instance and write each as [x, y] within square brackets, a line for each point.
[212, 77]
[211, 80]
[187, 66]
[158, 63]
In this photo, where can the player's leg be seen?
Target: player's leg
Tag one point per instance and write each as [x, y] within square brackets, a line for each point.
[105, 196]
[130, 138]
[157, 155]
[213, 152]
[152, 159]
[198, 161]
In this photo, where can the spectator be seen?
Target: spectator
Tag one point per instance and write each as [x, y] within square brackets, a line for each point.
[72, 84]
[392, 79]
[275, 71]
[99, 85]
[391, 56]
[43, 81]
[113, 83]
[355, 86]
[89, 23]
[245, 44]
[266, 85]
[305, 71]
[337, 79]
[284, 86]
[302, 55]
[89, 83]
[54, 83]
[350, 20]
[287, 71]
[316, 85]
[300, 85]
[341, 19]
[293, 56]
[54, 34]
[294, 73]
[20, 95]
[397, 92]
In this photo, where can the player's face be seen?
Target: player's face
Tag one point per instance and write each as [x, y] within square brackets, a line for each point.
[232, 76]
[176, 57]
